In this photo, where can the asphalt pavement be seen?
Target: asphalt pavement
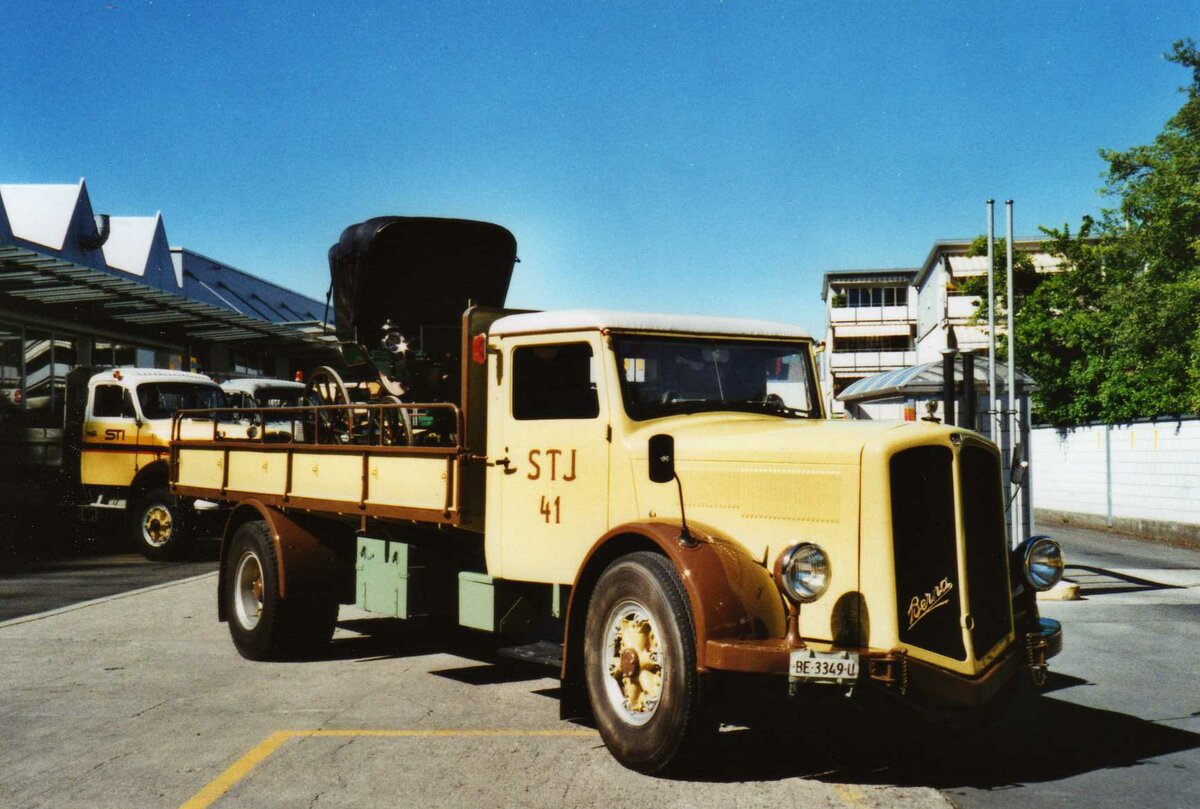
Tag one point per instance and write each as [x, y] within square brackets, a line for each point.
[138, 699]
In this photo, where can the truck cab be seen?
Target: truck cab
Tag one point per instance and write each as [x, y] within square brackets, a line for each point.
[125, 421]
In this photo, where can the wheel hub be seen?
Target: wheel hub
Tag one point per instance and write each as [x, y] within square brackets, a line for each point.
[635, 665]
[629, 663]
[248, 591]
[156, 525]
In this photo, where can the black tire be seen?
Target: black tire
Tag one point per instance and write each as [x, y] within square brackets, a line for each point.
[643, 593]
[157, 525]
[263, 625]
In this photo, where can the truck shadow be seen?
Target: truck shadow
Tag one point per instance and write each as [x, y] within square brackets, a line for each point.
[1041, 738]
[768, 737]
[392, 638]
[1094, 581]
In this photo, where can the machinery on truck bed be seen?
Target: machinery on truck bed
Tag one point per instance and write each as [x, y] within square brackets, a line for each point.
[648, 500]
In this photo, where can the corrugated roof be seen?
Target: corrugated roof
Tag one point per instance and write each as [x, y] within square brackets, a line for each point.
[884, 275]
[219, 284]
[926, 378]
[5, 227]
[138, 245]
[41, 214]
[101, 299]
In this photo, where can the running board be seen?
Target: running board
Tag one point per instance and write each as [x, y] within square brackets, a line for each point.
[544, 653]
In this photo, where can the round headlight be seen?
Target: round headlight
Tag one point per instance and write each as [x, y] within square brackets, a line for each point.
[1042, 563]
[802, 572]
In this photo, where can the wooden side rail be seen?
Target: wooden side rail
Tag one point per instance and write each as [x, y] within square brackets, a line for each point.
[370, 475]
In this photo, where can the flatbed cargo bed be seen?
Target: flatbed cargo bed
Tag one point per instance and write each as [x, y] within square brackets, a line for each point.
[299, 464]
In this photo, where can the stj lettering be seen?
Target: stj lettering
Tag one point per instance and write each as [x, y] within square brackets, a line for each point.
[556, 464]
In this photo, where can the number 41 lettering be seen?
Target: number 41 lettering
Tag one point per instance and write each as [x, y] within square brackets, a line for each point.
[549, 507]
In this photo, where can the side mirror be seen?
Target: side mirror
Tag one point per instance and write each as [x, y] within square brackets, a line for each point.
[1018, 467]
[662, 458]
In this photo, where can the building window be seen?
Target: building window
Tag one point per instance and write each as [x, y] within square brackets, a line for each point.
[554, 382]
[876, 296]
[888, 343]
[11, 379]
[251, 363]
[105, 353]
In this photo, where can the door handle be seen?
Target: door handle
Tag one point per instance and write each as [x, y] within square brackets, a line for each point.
[509, 469]
[90, 433]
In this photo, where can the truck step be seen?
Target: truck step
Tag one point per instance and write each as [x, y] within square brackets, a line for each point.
[544, 652]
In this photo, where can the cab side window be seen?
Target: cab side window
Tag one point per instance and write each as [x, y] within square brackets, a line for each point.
[554, 382]
[112, 401]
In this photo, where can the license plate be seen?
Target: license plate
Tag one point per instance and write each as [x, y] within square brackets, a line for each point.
[837, 668]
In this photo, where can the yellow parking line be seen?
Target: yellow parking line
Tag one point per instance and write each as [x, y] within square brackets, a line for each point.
[225, 781]
[242, 767]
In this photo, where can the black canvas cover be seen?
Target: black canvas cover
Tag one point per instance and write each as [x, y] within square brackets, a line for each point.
[420, 272]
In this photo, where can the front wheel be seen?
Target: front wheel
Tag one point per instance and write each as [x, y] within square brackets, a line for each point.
[640, 663]
[157, 525]
[263, 624]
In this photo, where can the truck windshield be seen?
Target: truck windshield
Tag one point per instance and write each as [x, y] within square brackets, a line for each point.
[279, 397]
[663, 376]
[160, 400]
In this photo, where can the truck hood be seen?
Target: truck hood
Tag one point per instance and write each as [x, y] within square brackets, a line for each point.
[769, 439]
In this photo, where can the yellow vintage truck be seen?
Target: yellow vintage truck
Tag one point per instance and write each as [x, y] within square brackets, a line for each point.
[647, 500]
[108, 455]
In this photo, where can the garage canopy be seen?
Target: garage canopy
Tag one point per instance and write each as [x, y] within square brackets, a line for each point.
[35, 283]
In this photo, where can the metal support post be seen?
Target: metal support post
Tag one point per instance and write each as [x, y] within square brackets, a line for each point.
[992, 392]
[1014, 434]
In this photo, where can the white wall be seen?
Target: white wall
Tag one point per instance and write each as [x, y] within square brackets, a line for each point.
[1154, 482]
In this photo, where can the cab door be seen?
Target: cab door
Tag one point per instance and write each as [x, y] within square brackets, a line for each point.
[108, 452]
[548, 456]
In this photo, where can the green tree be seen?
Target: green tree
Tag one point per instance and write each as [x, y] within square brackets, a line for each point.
[1116, 335]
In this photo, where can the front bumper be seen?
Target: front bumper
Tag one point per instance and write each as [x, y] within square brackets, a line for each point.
[898, 673]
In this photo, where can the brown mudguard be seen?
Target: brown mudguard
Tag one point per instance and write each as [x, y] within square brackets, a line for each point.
[732, 596]
[309, 562]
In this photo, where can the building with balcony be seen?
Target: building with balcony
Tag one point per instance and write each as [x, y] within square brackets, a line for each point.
[870, 318]
[945, 316]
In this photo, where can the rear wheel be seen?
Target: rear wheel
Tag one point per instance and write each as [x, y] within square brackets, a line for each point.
[640, 664]
[263, 624]
[157, 525]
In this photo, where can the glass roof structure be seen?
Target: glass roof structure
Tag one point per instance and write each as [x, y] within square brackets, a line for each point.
[927, 378]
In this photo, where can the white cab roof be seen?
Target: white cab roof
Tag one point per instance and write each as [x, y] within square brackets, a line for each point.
[597, 319]
[253, 385]
[136, 375]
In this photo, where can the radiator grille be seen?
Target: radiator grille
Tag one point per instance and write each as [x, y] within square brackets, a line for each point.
[923, 540]
[983, 528]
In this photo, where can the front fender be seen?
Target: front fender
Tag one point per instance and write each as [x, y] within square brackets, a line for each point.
[731, 595]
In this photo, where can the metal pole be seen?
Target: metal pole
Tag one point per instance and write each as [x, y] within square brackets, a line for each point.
[993, 406]
[1013, 434]
[948, 386]
[1108, 519]
[967, 414]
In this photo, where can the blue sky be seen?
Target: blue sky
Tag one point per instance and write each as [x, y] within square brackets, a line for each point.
[699, 157]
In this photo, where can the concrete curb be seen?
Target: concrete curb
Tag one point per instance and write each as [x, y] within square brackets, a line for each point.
[1063, 591]
[24, 619]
